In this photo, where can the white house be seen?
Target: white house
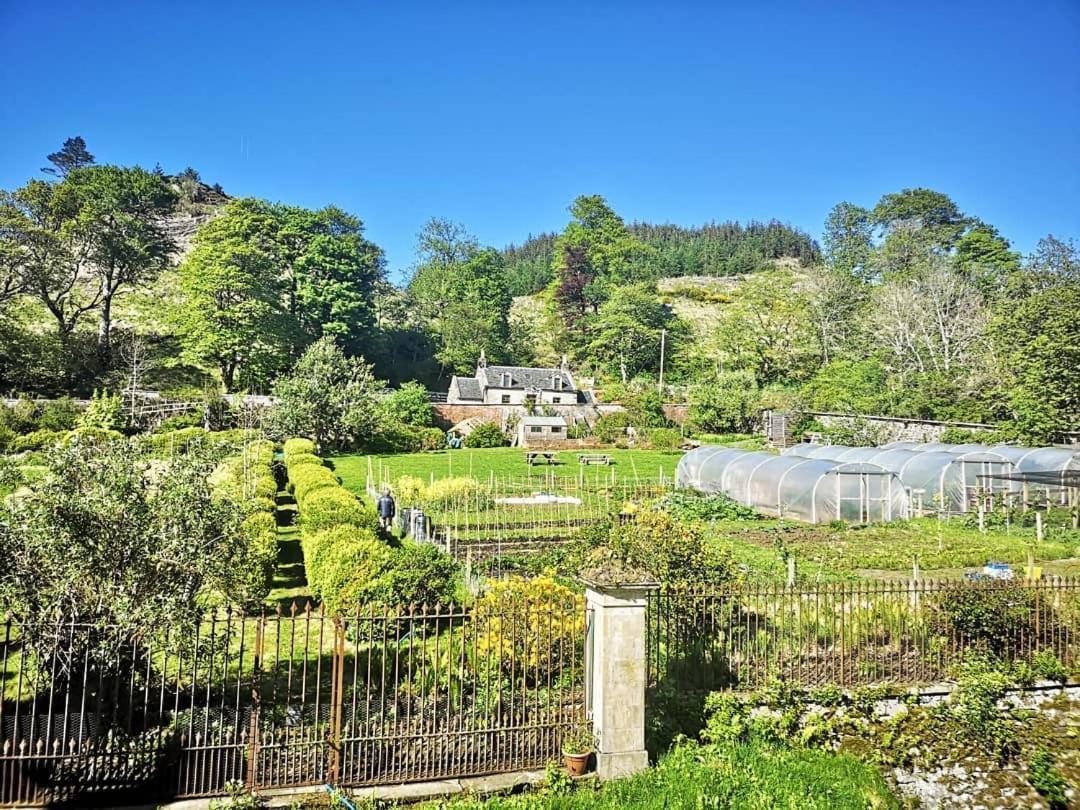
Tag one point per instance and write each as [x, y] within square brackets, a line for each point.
[514, 385]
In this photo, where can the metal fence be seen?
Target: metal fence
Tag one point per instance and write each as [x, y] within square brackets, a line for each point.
[288, 699]
[902, 633]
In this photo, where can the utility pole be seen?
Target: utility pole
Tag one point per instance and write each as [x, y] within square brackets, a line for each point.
[660, 385]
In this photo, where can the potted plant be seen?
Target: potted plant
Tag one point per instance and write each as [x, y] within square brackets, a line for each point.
[578, 745]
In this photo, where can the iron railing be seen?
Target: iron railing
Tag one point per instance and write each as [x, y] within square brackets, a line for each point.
[287, 699]
[900, 633]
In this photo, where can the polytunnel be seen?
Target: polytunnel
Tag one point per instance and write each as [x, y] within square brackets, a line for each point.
[811, 490]
[1043, 461]
[933, 480]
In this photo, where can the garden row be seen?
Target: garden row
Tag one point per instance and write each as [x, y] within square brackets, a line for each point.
[349, 560]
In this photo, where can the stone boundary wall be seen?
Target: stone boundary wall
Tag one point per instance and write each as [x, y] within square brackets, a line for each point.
[892, 428]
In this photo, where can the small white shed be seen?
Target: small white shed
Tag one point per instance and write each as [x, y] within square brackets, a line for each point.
[537, 431]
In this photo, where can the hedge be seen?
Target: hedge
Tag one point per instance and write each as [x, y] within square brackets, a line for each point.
[300, 459]
[344, 565]
[38, 440]
[307, 479]
[295, 446]
[334, 506]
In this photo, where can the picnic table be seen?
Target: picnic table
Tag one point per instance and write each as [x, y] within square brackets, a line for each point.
[535, 456]
[594, 458]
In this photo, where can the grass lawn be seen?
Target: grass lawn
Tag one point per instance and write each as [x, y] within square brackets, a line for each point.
[628, 466]
[731, 776]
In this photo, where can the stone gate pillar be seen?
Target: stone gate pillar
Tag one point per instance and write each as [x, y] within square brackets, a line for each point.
[617, 671]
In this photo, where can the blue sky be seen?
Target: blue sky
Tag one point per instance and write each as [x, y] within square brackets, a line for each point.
[499, 114]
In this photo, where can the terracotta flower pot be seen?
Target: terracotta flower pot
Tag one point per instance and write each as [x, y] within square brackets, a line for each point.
[576, 764]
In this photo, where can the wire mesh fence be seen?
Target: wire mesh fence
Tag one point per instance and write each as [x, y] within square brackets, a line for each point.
[902, 633]
[288, 699]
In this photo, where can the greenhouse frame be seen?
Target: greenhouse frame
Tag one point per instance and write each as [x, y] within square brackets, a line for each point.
[1061, 464]
[935, 481]
[806, 489]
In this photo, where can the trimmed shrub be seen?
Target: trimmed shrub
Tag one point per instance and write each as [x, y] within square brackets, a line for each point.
[419, 574]
[488, 434]
[432, 438]
[335, 506]
[308, 478]
[38, 440]
[295, 446]
[344, 565]
[260, 531]
[300, 459]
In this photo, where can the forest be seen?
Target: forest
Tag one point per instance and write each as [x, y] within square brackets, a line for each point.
[115, 277]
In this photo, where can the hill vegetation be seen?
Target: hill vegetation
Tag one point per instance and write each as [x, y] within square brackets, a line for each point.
[117, 277]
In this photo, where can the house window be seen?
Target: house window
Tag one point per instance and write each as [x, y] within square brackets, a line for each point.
[556, 429]
[504, 380]
[505, 399]
[558, 383]
[535, 429]
[556, 400]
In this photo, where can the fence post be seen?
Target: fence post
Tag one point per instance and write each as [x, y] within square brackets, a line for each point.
[617, 677]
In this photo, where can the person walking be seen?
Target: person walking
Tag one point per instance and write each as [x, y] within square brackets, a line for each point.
[386, 509]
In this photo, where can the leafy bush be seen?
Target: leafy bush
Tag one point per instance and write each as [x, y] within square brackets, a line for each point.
[410, 490]
[104, 412]
[90, 435]
[687, 506]
[665, 439]
[181, 422]
[296, 446]
[431, 438]
[456, 492]
[419, 574]
[335, 506]
[38, 440]
[611, 426]
[59, 414]
[7, 438]
[260, 531]
[727, 405]
[409, 405]
[488, 434]
[974, 706]
[990, 618]
[653, 546]
[555, 611]
[344, 566]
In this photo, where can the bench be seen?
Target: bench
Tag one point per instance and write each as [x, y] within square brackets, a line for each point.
[594, 458]
[536, 456]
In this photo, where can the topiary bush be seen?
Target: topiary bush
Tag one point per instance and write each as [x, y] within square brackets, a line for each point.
[300, 459]
[335, 506]
[344, 565]
[295, 446]
[488, 434]
[260, 532]
[308, 478]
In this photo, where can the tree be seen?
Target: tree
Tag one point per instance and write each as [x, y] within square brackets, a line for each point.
[986, 258]
[848, 386]
[1053, 264]
[327, 397]
[232, 312]
[625, 333]
[767, 329]
[935, 322]
[72, 155]
[833, 299]
[1038, 341]
[117, 549]
[727, 404]
[848, 240]
[120, 228]
[927, 210]
[410, 405]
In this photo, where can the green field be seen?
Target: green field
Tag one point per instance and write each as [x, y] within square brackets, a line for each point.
[506, 463]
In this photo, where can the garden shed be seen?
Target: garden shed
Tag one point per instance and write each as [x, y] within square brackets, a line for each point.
[811, 490]
[933, 480]
[539, 431]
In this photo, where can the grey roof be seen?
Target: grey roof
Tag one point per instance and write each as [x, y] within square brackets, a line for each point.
[469, 388]
[537, 378]
[546, 421]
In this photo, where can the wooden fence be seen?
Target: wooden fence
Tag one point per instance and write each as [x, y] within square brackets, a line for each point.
[904, 634]
[286, 700]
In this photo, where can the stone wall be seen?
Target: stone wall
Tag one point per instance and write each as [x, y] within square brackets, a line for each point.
[890, 428]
